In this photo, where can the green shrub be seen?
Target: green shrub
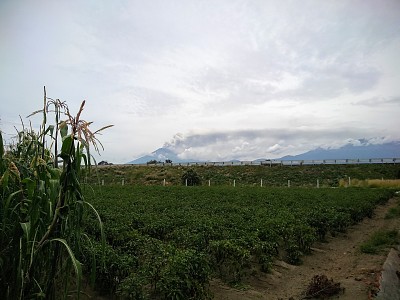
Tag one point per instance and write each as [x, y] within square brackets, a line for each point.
[229, 259]
[191, 178]
[185, 276]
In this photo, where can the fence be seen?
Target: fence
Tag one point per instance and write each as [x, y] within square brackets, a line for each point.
[276, 162]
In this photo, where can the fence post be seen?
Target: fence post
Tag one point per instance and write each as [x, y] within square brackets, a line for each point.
[186, 182]
[261, 183]
[123, 181]
[288, 183]
[164, 182]
[234, 182]
[317, 183]
[209, 182]
[349, 181]
[102, 182]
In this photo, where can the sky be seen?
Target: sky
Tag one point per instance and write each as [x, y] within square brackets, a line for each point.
[210, 80]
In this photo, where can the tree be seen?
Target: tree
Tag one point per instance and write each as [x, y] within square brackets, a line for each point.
[152, 162]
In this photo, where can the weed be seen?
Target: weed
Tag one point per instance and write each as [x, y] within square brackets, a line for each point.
[379, 241]
[393, 212]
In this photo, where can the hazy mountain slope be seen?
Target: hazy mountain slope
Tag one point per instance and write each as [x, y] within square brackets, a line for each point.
[349, 151]
[387, 150]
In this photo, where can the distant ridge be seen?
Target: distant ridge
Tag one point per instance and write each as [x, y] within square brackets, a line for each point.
[350, 151]
[364, 150]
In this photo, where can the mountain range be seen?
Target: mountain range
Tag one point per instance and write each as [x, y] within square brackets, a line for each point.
[349, 151]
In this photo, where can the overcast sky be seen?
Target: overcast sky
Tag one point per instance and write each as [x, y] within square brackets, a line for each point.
[211, 80]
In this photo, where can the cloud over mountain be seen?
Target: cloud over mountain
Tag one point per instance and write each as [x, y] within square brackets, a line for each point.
[267, 143]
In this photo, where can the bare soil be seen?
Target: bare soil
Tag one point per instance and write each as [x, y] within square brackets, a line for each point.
[339, 259]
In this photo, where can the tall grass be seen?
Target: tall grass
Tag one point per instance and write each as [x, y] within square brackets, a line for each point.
[42, 206]
[373, 183]
[393, 183]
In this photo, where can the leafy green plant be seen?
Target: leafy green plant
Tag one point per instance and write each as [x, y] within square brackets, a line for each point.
[190, 178]
[185, 276]
[42, 207]
[231, 259]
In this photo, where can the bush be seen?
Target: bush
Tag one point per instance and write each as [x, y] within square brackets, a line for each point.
[230, 259]
[190, 178]
[185, 276]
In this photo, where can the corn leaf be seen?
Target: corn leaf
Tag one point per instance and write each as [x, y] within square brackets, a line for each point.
[26, 227]
[103, 237]
[1, 146]
[76, 264]
[66, 146]
[63, 129]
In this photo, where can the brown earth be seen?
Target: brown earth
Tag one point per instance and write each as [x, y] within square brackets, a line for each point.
[339, 259]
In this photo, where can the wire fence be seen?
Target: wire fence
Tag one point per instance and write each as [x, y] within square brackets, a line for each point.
[275, 162]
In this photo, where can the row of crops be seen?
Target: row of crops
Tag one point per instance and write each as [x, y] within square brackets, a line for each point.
[169, 242]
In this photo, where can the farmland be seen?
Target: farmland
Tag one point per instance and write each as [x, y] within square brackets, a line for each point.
[275, 176]
[169, 242]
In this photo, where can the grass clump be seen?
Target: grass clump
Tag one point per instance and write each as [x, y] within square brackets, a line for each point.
[379, 241]
[393, 213]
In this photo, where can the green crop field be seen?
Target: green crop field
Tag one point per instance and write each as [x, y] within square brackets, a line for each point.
[169, 242]
[246, 175]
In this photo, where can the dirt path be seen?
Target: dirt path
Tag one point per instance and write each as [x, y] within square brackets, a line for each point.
[339, 259]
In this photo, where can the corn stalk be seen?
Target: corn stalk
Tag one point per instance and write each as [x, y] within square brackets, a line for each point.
[42, 206]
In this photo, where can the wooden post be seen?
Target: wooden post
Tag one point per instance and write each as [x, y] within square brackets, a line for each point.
[234, 182]
[209, 182]
[123, 181]
[349, 181]
[288, 183]
[317, 183]
[102, 182]
[261, 182]
[186, 182]
[164, 182]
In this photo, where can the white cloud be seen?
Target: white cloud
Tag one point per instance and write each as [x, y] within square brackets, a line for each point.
[159, 67]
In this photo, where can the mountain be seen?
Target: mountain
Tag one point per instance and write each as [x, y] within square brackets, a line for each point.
[364, 150]
[161, 154]
[350, 151]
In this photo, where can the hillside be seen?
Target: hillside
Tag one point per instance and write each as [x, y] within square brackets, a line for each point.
[327, 175]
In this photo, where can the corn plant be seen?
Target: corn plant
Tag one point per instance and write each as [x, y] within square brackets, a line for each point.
[42, 206]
